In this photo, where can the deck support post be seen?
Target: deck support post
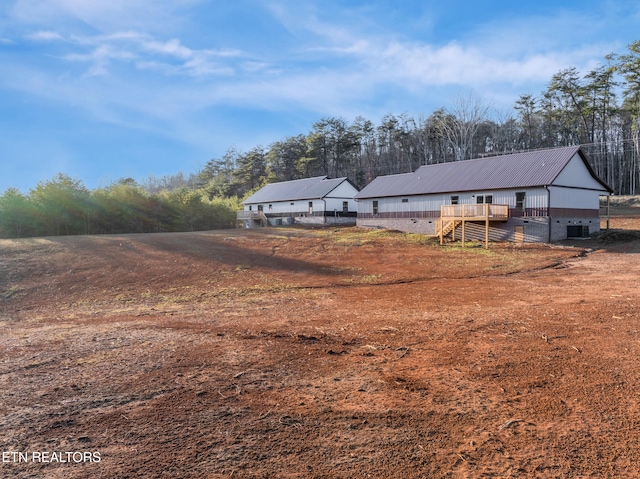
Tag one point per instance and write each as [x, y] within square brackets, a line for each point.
[486, 231]
[463, 226]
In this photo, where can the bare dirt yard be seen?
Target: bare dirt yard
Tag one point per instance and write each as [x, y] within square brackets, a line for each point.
[329, 353]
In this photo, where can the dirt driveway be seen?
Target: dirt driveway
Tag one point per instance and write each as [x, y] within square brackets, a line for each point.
[332, 353]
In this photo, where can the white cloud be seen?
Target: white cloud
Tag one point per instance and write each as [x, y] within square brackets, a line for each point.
[44, 35]
[100, 58]
[101, 54]
[169, 57]
[522, 52]
[457, 64]
[202, 66]
[170, 47]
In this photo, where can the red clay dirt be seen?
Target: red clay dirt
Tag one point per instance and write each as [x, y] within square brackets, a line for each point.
[330, 353]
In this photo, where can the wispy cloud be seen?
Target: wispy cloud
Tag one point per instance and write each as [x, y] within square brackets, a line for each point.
[100, 58]
[43, 35]
[457, 64]
[170, 47]
[170, 56]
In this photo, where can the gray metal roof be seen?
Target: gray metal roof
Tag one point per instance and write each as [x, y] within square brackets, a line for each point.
[518, 170]
[304, 189]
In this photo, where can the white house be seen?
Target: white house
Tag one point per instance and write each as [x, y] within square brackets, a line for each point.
[317, 200]
[538, 196]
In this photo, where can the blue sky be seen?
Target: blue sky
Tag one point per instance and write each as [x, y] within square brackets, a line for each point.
[106, 89]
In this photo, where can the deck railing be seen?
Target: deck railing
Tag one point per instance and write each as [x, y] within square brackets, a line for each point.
[243, 216]
[469, 212]
[452, 216]
[248, 215]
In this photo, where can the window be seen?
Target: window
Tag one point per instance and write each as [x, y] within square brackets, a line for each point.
[454, 200]
[310, 207]
[345, 206]
[405, 200]
[520, 201]
[270, 207]
[375, 207]
[480, 199]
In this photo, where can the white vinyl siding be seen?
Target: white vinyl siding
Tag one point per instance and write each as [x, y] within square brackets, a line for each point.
[574, 198]
[343, 190]
[575, 174]
[335, 204]
[286, 207]
[536, 198]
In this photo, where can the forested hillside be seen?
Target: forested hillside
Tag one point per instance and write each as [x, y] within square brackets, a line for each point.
[599, 110]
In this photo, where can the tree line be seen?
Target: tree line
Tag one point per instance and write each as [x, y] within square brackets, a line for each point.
[64, 206]
[599, 110]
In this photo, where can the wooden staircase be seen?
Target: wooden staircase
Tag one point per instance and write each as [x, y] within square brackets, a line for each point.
[255, 218]
[443, 227]
[261, 217]
[452, 216]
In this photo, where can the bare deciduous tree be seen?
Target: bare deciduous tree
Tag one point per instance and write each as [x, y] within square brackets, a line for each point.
[459, 125]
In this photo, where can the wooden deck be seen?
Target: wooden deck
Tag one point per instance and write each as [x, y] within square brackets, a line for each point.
[454, 216]
[256, 218]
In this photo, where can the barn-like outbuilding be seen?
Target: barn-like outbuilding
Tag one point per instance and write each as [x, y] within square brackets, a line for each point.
[317, 200]
[536, 196]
